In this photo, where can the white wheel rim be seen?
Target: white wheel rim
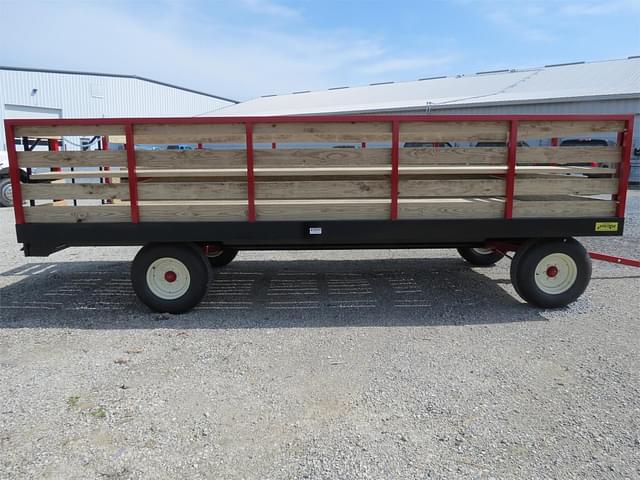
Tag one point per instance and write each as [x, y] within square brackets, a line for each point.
[482, 251]
[168, 278]
[556, 273]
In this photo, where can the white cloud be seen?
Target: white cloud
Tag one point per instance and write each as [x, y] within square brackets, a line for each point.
[519, 25]
[544, 21]
[599, 8]
[392, 65]
[177, 43]
[266, 7]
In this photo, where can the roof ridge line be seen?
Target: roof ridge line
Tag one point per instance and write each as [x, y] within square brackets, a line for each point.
[115, 75]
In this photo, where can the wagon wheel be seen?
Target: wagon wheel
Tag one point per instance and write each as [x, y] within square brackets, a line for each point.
[551, 273]
[170, 278]
[480, 257]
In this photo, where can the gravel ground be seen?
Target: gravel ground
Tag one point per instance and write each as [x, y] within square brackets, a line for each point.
[376, 364]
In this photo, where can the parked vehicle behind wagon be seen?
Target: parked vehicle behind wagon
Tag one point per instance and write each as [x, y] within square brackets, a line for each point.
[590, 143]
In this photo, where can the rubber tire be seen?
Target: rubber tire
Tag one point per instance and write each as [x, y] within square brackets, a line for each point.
[5, 201]
[527, 258]
[478, 259]
[516, 260]
[223, 258]
[192, 258]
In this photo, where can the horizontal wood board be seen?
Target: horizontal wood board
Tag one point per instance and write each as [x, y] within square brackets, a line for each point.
[321, 210]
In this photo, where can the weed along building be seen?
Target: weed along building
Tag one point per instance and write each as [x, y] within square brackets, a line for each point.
[38, 93]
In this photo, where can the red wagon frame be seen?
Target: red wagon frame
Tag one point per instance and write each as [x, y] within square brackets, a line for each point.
[624, 140]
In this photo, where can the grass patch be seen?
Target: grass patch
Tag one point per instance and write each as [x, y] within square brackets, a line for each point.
[99, 412]
[73, 401]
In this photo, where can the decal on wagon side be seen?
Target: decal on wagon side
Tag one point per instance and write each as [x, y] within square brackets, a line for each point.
[607, 226]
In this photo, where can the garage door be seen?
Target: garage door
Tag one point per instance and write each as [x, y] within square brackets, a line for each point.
[25, 111]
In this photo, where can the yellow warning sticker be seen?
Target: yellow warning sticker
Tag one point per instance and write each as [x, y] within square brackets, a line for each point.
[606, 226]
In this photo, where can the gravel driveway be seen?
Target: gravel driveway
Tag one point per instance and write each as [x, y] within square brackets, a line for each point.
[375, 364]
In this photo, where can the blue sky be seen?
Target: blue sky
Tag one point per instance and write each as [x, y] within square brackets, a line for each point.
[246, 48]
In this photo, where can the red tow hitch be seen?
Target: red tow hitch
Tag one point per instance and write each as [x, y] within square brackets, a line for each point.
[611, 259]
[552, 271]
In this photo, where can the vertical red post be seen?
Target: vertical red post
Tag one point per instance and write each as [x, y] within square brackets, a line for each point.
[131, 173]
[511, 169]
[54, 146]
[273, 145]
[624, 167]
[14, 173]
[619, 141]
[363, 145]
[200, 146]
[554, 142]
[395, 161]
[105, 146]
[251, 184]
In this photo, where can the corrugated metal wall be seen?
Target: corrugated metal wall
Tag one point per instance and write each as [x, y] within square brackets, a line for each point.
[93, 96]
[623, 106]
[559, 108]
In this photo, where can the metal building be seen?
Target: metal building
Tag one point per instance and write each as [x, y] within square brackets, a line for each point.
[37, 93]
[611, 87]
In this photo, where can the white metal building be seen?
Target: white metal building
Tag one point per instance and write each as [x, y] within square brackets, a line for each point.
[606, 87]
[597, 87]
[36, 93]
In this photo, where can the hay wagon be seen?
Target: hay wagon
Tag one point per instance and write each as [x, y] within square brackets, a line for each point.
[324, 182]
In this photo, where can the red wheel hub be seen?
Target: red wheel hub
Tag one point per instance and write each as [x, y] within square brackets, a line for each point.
[552, 271]
[170, 276]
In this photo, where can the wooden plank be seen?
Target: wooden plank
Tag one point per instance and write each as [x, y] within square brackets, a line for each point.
[549, 129]
[322, 157]
[353, 209]
[43, 131]
[353, 132]
[79, 174]
[79, 191]
[119, 139]
[318, 157]
[537, 169]
[184, 133]
[315, 211]
[332, 171]
[84, 214]
[563, 208]
[454, 155]
[265, 190]
[568, 185]
[447, 131]
[340, 209]
[311, 210]
[90, 158]
[380, 170]
[178, 159]
[323, 189]
[230, 211]
[451, 208]
[564, 155]
[451, 188]
[193, 191]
